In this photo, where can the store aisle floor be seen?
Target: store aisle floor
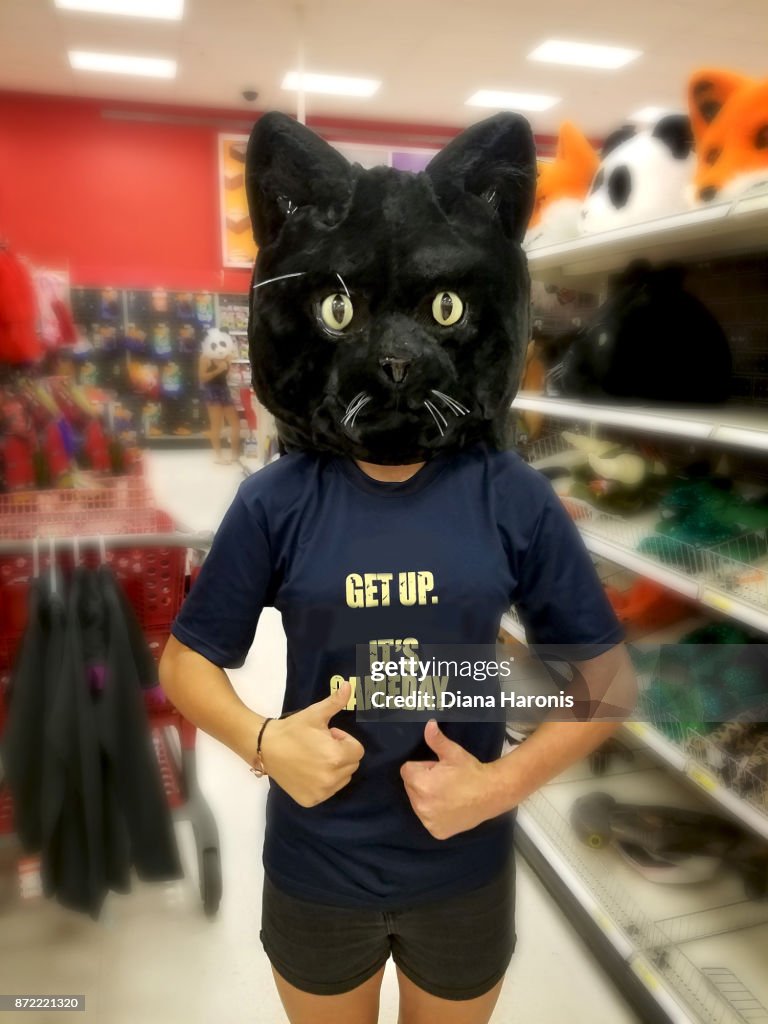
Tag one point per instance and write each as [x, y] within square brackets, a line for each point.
[153, 958]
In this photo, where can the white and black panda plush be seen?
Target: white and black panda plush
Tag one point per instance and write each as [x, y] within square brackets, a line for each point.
[218, 344]
[642, 175]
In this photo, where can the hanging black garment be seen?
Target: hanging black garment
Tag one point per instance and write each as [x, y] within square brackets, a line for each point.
[146, 666]
[23, 738]
[73, 865]
[132, 780]
[78, 751]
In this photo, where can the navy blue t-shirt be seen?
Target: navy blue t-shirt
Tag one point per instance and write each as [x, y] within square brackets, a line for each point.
[486, 531]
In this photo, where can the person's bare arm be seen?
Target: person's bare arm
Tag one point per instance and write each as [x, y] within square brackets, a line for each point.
[457, 792]
[605, 695]
[203, 693]
[204, 372]
[308, 759]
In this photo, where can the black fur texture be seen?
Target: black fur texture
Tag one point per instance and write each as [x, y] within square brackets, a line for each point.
[652, 342]
[394, 385]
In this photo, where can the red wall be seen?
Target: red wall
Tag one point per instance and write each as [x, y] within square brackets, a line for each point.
[127, 194]
[120, 202]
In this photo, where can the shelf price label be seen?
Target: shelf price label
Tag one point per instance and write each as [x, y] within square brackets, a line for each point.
[702, 778]
[639, 729]
[715, 599]
[644, 973]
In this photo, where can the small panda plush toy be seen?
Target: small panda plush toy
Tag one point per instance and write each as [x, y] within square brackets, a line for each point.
[643, 175]
[218, 344]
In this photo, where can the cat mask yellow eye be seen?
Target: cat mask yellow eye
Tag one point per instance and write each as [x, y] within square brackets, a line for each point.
[336, 311]
[447, 308]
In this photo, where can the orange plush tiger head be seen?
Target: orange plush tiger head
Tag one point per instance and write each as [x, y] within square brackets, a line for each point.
[561, 187]
[729, 114]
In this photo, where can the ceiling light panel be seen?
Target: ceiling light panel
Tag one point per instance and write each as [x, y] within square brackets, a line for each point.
[512, 100]
[583, 55]
[331, 85]
[122, 64]
[168, 10]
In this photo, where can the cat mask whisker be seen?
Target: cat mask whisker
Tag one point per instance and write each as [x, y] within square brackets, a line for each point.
[282, 277]
[432, 410]
[358, 409]
[456, 407]
[357, 398]
[354, 408]
[432, 405]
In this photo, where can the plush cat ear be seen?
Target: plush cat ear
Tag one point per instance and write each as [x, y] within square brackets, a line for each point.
[574, 148]
[707, 92]
[288, 166]
[496, 161]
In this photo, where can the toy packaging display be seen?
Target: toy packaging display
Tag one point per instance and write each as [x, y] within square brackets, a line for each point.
[99, 352]
[163, 333]
[428, 371]
[729, 114]
[233, 313]
[561, 187]
[643, 175]
[144, 346]
[651, 341]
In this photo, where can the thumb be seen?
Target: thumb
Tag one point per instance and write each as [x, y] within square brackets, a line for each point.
[324, 710]
[436, 740]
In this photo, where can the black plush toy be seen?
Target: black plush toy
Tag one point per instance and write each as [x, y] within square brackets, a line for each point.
[389, 310]
[651, 341]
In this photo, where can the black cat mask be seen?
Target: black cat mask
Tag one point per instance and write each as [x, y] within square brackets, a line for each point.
[389, 310]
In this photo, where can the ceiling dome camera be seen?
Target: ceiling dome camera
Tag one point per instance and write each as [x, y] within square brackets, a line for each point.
[250, 95]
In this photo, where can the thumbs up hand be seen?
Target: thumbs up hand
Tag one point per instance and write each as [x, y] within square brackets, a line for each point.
[307, 757]
[452, 794]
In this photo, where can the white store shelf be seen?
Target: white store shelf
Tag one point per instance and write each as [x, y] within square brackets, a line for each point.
[696, 589]
[735, 427]
[616, 539]
[719, 229]
[669, 936]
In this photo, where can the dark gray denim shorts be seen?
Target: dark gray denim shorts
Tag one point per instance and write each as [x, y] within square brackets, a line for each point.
[456, 948]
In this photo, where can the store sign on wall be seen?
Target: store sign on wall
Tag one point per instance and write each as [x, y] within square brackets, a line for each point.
[237, 246]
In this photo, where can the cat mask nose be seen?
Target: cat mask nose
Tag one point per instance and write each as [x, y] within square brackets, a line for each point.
[707, 194]
[395, 369]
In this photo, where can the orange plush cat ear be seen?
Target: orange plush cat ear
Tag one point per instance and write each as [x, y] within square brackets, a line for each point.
[708, 90]
[575, 149]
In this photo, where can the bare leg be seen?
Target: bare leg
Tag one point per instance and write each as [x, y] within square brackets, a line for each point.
[419, 1007]
[360, 1006]
[215, 415]
[233, 419]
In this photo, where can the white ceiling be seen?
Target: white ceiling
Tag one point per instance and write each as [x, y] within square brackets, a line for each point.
[430, 54]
